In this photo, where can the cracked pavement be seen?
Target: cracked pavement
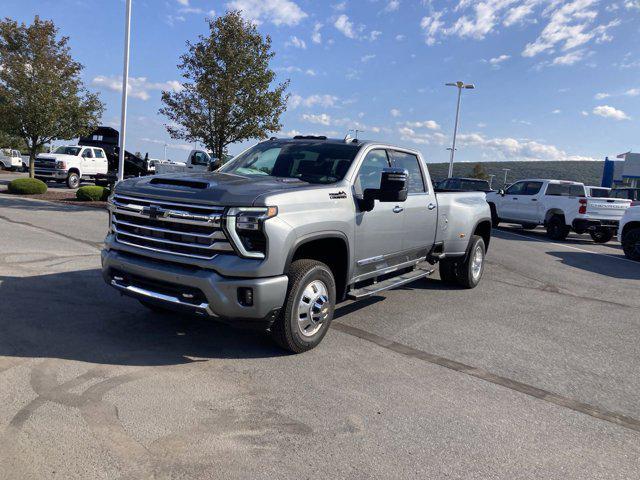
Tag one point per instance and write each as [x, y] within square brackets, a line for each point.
[94, 386]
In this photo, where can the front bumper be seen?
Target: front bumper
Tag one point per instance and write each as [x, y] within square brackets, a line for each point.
[584, 224]
[194, 290]
[50, 174]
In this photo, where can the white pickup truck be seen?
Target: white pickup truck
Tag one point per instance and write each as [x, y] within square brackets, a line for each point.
[558, 205]
[198, 161]
[71, 164]
[10, 159]
[629, 233]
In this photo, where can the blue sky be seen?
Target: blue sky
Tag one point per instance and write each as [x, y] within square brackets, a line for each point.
[554, 79]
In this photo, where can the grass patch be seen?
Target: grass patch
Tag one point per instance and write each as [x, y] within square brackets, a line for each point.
[27, 186]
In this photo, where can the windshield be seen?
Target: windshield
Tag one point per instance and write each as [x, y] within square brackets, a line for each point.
[68, 150]
[313, 162]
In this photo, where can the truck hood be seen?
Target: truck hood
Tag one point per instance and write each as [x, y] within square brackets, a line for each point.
[55, 156]
[215, 188]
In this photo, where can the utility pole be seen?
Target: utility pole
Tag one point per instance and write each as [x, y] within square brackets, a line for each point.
[125, 85]
[459, 85]
[491, 175]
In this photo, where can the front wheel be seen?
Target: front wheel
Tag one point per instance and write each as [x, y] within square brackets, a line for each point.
[73, 180]
[308, 309]
[631, 244]
[601, 236]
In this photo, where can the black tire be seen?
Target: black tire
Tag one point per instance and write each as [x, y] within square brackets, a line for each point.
[557, 229]
[462, 272]
[601, 235]
[73, 180]
[495, 220]
[529, 226]
[631, 244]
[286, 330]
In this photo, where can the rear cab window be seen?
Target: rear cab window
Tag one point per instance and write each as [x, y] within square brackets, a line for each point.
[565, 190]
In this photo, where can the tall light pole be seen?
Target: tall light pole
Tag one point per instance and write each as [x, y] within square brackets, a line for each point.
[505, 170]
[125, 84]
[460, 86]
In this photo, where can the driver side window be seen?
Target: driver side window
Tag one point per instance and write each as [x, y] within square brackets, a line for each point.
[370, 173]
[515, 189]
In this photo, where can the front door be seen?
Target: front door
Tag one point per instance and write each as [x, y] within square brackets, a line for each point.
[420, 208]
[378, 233]
[88, 162]
[510, 208]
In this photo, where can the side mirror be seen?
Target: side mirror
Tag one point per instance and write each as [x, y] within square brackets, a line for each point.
[214, 164]
[393, 188]
[501, 192]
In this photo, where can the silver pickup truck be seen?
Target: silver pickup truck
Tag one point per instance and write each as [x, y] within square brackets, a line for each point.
[287, 229]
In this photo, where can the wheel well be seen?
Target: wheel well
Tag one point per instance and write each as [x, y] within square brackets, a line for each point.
[630, 226]
[484, 230]
[74, 170]
[331, 251]
[551, 213]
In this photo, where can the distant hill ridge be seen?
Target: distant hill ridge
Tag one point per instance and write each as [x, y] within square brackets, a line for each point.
[589, 173]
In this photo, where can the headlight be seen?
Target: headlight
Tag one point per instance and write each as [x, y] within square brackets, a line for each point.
[60, 164]
[245, 226]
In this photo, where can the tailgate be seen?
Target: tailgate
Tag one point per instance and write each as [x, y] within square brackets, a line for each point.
[607, 208]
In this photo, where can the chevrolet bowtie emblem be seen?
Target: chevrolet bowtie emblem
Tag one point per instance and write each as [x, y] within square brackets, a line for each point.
[155, 212]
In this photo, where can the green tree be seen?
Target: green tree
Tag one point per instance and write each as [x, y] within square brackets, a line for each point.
[42, 97]
[479, 172]
[227, 94]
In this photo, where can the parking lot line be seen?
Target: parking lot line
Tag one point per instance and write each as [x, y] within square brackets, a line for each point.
[571, 247]
[482, 374]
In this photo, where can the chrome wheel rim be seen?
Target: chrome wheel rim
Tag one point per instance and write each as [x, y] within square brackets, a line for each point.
[476, 263]
[313, 308]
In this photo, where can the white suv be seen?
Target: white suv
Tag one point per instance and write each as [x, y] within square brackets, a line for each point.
[71, 164]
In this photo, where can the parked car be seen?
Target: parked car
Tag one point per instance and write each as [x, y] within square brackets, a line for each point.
[597, 192]
[10, 159]
[288, 228]
[71, 164]
[464, 185]
[197, 161]
[629, 233]
[558, 205]
[629, 193]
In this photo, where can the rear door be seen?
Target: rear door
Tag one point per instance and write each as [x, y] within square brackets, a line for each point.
[530, 204]
[100, 161]
[420, 209]
[378, 233]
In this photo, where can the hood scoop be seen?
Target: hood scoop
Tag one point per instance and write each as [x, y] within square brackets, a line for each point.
[179, 182]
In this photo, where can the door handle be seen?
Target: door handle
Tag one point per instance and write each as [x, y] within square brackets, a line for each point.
[534, 199]
[515, 198]
[431, 206]
[397, 209]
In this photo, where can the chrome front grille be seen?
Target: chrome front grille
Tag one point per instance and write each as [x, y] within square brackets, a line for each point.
[188, 230]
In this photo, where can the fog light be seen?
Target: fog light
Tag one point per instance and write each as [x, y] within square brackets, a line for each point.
[245, 296]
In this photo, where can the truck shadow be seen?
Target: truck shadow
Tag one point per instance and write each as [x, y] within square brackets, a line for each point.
[540, 234]
[624, 270]
[11, 201]
[75, 316]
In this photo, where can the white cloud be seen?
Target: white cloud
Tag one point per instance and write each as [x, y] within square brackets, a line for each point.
[322, 100]
[432, 26]
[556, 111]
[570, 58]
[392, 6]
[601, 96]
[632, 92]
[429, 124]
[345, 26]
[322, 119]
[520, 13]
[176, 146]
[584, 113]
[395, 112]
[517, 149]
[495, 61]
[366, 58]
[570, 26]
[138, 87]
[294, 69]
[400, 37]
[339, 7]
[316, 36]
[607, 111]
[296, 43]
[373, 35]
[184, 3]
[278, 12]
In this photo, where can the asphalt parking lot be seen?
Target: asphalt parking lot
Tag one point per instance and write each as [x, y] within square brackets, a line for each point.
[534, 374]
